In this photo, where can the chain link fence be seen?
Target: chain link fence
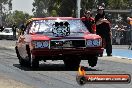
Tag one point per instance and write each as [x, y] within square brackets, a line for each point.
[121, 29]
[63, 8]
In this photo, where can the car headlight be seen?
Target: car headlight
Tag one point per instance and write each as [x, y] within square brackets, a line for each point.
[93, 43]
[40, 44]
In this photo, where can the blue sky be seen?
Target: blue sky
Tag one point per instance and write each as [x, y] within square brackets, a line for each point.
[22, 5]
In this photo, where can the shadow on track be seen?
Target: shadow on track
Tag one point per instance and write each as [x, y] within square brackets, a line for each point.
[52, 67]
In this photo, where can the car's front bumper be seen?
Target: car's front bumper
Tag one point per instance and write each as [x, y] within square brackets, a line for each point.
[10, 37]
[58, 52]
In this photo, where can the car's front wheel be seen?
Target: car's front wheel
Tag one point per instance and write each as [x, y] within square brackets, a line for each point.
[72, 62]
[93, 61]
[35, 62]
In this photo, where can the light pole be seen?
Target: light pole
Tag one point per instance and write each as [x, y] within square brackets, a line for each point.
[0, 14]
[78, 8]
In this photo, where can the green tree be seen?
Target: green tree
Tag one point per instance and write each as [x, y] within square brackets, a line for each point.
[118, 4]
[41, 7]
[44, 8]
[55, 6]
[87, 4]
[4, 10]
[4, 1]
[17, 17]
[53, 13]
[67, 8]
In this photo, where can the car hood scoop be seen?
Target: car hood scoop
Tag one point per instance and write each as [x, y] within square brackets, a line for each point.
[50, 35]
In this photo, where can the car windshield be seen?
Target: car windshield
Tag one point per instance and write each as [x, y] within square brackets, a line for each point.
[50, 26]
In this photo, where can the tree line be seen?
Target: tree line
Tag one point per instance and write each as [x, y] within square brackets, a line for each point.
[68, 7]
[43, 8]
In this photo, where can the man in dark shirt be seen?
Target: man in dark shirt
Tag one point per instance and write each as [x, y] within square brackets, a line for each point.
[89, 22]
[103, 29]
[1, 28]
[14, 29]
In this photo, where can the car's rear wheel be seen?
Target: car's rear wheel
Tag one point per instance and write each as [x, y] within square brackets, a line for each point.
[35, 62]
[93, 61]
[23, 62]
[72, 62]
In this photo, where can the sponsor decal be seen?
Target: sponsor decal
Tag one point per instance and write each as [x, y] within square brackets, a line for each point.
[61, 29]
[83, 78]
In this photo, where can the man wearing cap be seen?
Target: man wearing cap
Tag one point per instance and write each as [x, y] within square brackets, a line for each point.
[103, 29]
[89, 22]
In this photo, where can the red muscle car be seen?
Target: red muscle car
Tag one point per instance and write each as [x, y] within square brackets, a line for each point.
[58, 38]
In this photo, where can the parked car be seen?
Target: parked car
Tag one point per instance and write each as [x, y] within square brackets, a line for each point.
[7, 33]
[58, 38]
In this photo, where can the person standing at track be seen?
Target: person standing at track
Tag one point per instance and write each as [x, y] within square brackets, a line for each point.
[14, 29]
[22, 29]
[1, 28]
[103, 29]
[89, 21]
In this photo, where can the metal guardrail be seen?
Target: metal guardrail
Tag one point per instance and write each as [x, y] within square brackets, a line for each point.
[116, 11]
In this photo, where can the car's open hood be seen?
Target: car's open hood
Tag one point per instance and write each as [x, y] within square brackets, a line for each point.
[71, 36]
